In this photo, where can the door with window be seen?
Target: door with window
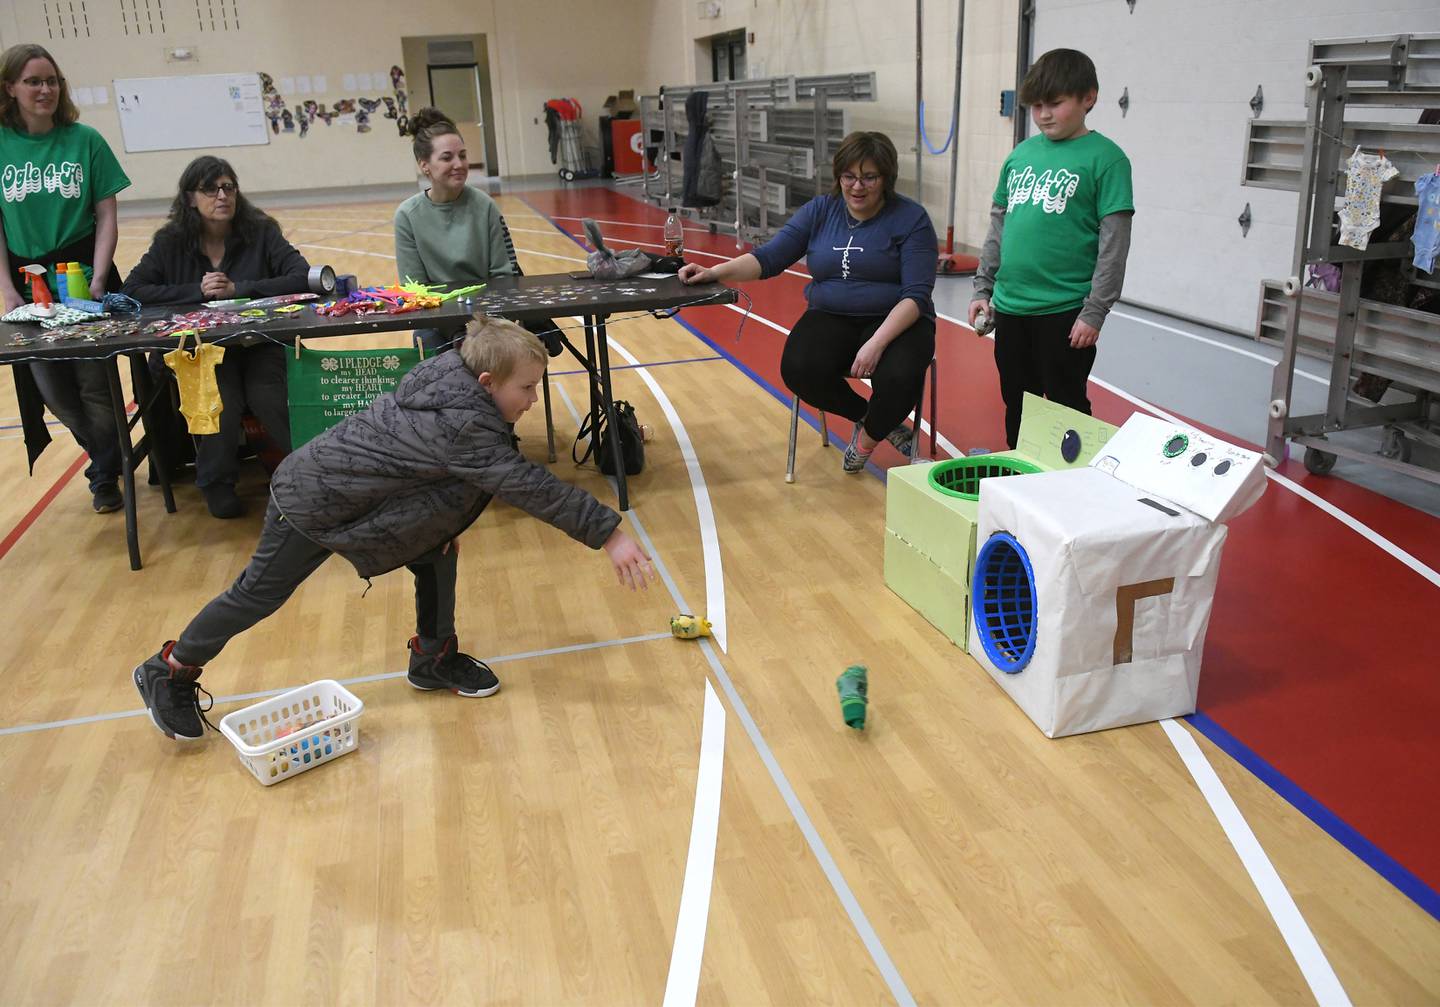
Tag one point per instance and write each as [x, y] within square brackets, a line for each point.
[727, 56]
[456, 90]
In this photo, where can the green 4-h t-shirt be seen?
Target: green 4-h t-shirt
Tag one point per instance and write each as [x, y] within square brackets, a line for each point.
[49, 185]
[1055, 195]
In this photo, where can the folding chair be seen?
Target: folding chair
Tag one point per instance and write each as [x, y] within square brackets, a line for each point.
[825, 432]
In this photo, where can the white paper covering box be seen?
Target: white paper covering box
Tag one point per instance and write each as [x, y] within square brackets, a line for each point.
[1182, 465]
[930, 530]
[1091, 596]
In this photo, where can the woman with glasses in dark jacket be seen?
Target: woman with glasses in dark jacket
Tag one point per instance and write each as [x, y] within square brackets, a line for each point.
[217, 246]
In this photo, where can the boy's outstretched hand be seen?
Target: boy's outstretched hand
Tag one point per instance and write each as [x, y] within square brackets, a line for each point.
[631, 564]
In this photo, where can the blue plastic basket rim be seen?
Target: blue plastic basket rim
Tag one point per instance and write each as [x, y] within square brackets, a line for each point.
[992, 621]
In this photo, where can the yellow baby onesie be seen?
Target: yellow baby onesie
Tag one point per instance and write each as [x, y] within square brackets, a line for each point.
[199, 392]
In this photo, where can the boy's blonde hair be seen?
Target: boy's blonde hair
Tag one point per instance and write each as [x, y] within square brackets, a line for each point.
[499, 347]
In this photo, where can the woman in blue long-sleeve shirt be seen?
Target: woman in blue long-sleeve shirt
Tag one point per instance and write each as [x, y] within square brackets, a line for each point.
[871, 254]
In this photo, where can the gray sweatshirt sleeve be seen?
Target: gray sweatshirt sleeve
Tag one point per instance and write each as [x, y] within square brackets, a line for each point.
[990, 255]
[1109, 268]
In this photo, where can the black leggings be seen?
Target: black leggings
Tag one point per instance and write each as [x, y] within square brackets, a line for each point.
[1033, 354]
[821, 349]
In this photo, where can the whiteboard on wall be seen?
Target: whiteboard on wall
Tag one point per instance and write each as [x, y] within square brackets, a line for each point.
[184, 113]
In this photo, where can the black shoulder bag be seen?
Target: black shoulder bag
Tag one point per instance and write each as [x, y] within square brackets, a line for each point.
[632, 444]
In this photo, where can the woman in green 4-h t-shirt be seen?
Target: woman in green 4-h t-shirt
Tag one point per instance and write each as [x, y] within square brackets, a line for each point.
[58, 180]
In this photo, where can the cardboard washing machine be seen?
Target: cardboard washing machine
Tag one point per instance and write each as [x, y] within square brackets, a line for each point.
[1092, 588]
[931, 509]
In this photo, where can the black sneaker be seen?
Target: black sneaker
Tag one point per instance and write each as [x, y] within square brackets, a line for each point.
[107, 499]
[222, 500]
[447, 668]
[173, 698]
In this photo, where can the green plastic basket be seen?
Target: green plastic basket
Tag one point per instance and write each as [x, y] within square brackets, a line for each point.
[960, 477]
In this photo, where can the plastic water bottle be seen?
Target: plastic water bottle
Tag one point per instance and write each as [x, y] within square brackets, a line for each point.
[674, 234]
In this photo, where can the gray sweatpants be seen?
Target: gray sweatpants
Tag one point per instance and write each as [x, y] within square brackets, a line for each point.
[282, 561]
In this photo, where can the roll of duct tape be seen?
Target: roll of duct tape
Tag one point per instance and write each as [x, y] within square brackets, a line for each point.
[1291, 286]
[322, 280]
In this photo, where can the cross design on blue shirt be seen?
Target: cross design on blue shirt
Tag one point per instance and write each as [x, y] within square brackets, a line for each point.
[847, 248]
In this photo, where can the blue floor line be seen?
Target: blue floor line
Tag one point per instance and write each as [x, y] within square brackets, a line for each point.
[1336, 827]
[631, 367]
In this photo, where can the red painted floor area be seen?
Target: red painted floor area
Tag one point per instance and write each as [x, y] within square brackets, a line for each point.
[1314, 653]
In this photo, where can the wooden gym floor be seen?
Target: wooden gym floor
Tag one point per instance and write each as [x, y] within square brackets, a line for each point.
[546, 845]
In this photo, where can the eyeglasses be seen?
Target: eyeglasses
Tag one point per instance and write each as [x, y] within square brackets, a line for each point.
[850, 181]
[37, 83]
[229, 188]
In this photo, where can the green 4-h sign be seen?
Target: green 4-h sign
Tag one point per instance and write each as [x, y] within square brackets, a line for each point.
[327, 386]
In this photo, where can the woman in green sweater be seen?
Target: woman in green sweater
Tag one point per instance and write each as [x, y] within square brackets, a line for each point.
[450, 233]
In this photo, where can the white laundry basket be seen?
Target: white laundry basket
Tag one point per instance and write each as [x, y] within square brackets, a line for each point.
[295, 731]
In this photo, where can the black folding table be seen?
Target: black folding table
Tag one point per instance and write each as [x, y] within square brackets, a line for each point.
[519, 298]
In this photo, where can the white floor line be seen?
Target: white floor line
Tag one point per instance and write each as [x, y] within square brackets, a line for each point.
[1348, 520]
[1188, 335]
[550, 255]
[689, 251]
[1314, 966]
[629, 223]
[348, 251]
[331, 230]
[248, 696]
[704, 509]
[683, 982]
[818, 849]
[550, 233]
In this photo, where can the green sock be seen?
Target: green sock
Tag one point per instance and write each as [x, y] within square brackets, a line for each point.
[852, 686]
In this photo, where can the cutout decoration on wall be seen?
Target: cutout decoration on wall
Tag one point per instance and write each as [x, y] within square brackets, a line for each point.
[359, 109]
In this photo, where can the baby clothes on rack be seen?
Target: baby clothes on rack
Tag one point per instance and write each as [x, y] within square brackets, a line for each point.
[1360, 213]
[199, 391]
[1427, 221]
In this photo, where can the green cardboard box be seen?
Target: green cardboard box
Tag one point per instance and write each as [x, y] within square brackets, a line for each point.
[942, 599]
[939, 527]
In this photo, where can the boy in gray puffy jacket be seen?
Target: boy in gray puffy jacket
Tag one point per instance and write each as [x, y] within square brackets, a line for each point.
[394, 486]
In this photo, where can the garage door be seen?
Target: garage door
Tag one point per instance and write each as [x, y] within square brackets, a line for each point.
[1190, 70]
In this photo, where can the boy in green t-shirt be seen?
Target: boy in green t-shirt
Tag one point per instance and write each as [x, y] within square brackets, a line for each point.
[1054, 259]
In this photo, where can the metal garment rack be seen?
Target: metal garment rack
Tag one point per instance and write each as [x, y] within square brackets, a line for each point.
[1359, 336]
[774, 135]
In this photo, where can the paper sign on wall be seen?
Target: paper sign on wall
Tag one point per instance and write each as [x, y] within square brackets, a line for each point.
[362, 82]
[302, 85]
[347, 82]
[101, 95]
[318, 84]
[84, 96]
